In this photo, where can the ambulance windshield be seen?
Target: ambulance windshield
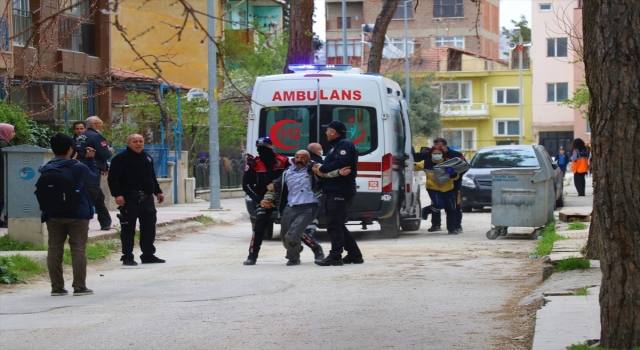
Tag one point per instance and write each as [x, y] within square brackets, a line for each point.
[292, 128]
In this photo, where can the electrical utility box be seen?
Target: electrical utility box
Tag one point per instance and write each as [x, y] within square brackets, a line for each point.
[21, 174]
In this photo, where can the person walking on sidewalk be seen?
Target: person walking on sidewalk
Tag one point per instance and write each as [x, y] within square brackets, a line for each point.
[580, 165]
[339, 192]
[74, 223]
[259, 172]
[133, 183]
[94, 139]
[563, 160]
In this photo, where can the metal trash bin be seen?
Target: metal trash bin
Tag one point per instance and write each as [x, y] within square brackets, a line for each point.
[522, 198]
[21, 174]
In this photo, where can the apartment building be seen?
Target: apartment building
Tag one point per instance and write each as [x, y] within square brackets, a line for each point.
[556, 32]
[433, 23]
[54, 69]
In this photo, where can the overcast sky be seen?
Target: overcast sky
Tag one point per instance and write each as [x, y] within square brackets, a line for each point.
[509, 9]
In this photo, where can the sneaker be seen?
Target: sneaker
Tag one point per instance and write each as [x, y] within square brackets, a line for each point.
[59, 292]
[128, 261]
[293, 262]
[249, 261]
[352, 260]
[459, 229]
[330, 261]
[434, 229]
[82, 291]
[151, 259]
[453, 232]
[425, 213]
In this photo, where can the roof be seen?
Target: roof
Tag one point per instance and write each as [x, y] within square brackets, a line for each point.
[127, 76]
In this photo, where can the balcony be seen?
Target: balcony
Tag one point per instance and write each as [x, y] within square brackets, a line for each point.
[464, 110]
[76, 35]
[22, 20]
[479, 65]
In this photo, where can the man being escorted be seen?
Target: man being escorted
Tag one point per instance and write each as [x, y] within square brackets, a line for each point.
[92, 138]
[133, 183]
[66, 208]
[339, 193]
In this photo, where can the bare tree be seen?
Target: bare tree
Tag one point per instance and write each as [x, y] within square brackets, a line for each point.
[300, 33]
[612, 63]
[379, 32]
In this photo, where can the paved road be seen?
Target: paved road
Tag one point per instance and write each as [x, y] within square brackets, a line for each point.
[422, 290]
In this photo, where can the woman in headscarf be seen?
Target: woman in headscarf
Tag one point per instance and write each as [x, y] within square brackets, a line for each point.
[7, 132]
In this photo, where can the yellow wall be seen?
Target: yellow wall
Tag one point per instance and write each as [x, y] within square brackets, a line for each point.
[190, 55]
[482, 86]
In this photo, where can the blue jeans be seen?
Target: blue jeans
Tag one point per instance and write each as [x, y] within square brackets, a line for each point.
[446, 201]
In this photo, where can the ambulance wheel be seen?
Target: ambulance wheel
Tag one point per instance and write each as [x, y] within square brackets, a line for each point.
[413, 225]
[268, 234]
[390, 227]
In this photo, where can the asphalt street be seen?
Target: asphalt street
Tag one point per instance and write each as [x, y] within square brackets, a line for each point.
[422, 290]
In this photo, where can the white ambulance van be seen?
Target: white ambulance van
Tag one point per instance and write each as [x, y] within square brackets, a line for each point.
[290, 109]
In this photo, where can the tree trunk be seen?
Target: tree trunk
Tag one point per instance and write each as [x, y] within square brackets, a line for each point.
[379, 31]
[612, 63]
[300, 33]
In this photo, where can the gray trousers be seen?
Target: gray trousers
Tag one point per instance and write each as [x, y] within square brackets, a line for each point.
[292, 225]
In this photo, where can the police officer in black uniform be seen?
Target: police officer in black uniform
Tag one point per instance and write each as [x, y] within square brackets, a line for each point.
[260, 172]
[92, 138]
[339, 193]
[132, 181]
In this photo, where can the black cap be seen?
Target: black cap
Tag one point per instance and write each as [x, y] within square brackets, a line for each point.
[264, 141]
[337, 126]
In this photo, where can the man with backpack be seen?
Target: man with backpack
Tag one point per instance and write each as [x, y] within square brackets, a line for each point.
[67, 210]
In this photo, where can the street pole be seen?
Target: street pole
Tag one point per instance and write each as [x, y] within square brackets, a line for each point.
[520, 98]
[345, 58]
[214, 166]
[406, 56]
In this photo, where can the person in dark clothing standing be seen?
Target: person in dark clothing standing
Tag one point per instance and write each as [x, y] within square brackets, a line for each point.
[133, 183]
[74, 224]
[259, 172]
[78, 128]
[339, 193]
[580, 165]
[92, 138]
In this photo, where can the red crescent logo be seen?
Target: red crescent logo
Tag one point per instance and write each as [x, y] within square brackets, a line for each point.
[359, 139]
[273, 134]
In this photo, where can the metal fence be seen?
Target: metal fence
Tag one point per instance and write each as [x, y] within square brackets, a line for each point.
[160, 158]
[231, 172]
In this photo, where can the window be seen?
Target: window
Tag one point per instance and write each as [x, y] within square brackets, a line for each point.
[400, 10]
[506, 96]
[4, 34]
[22, 20]
[506, 127]
[456, 93]
[545, 7]
[460, 139]
[457, 41]
[448, 8]
[505, 158]
[340, 22]
[399, 43]
[335, 48]
[557, 47]
[588, 127]
[557, 92]
[292, 128]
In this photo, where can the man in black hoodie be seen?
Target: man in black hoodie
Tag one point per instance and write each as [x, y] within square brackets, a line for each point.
[74, 224]
[92, 138]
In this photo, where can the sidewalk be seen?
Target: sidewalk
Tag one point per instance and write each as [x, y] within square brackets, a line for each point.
[567, 319]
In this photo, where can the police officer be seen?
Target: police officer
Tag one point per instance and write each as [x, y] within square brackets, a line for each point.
[92, 138]
[339, 193]
[259, 172]
[132, 181]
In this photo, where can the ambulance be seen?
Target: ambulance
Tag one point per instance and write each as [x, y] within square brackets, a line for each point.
[291, 109]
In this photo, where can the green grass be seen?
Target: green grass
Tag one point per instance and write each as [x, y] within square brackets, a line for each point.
[6, 244]
[549, 236]
[205, 220]
[582, 291]
[577, 225]
[572, 264]
[98, 250]
[18, 268]
[585, 346]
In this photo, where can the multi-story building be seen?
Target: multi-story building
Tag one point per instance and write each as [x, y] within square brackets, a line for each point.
[53, 68]
[433, 23]
[558, 71]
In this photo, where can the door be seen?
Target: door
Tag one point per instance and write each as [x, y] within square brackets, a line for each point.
[554, 140]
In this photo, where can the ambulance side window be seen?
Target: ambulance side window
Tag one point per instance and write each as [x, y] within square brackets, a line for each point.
[361, 123]
[398, 132]
[290, 128]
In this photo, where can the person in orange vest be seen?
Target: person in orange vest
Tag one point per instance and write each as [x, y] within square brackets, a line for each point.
[579, 165]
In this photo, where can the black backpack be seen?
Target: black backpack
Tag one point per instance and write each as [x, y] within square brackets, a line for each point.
[56, 191]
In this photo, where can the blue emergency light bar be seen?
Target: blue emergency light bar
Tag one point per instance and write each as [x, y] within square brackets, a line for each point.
[318, 67]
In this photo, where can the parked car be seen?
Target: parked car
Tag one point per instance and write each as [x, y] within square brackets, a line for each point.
[476, 183]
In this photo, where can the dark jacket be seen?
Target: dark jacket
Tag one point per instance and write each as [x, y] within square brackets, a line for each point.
[132, 172]
[342, 154]
[316, 158]
[86, 172]
[3, 144]
[281, 190]
[256, 177]
[95, 140]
